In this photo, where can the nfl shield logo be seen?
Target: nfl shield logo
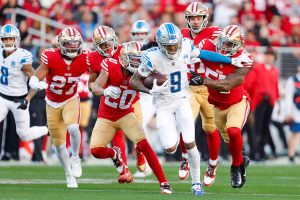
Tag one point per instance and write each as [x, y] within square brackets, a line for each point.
[13, 64]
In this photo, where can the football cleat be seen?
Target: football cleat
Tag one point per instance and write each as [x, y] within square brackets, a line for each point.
[184, 169]
[210, 174]
[118, 161]
[144, 174]
[165, 188]
[236, 178]
[125, 177]
[243, 167]
[71, 181]
[140, 161]
[76, 166]
[197, 189]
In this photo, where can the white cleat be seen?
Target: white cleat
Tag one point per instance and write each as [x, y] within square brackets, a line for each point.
[210, 175]
[76, 166]
[71, 181]
[144, 174]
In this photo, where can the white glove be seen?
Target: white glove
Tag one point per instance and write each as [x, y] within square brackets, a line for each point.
[240, 60]
[112, 91]
[159, 89]
[36, 84]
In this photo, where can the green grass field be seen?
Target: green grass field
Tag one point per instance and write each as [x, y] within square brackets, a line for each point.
[48, 182]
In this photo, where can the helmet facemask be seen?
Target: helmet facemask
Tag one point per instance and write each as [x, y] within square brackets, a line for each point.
[201, 25]
[70, 48]
[108, 47]
[130, 56]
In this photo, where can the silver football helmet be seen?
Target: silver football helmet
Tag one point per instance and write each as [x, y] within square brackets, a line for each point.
[9, 31]
[70, 42]
[140, 32]
[169, 39]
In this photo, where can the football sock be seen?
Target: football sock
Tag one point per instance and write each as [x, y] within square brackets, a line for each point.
[235, 145]
[75, 138]
[144, 146]
[213, 144]
[194, 161]
[118, 141]
[63, 157]
[33, 133]
[103, 152]
[182, 146]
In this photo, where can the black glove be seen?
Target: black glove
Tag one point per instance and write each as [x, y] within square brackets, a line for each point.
[23, 103]
[196, 79]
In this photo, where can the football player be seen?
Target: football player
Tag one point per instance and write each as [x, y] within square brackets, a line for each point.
[116, 112]
[106, 44]
[15, 69]
[62, 67]
[141, 32]
[196, 15]
[226, 93]
[170, 58]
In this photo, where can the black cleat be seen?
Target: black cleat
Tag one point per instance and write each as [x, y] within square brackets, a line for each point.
[236, 178]
[243, 167]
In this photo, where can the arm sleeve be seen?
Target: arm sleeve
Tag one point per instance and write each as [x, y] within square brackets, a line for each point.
[214, 57]
[27, 58]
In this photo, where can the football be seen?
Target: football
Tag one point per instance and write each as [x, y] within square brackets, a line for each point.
[148, 81]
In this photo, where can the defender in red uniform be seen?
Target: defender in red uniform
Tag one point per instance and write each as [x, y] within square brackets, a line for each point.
[62, 68]
[106, 45]
[196, 15]
[116, 113]
[226, 93]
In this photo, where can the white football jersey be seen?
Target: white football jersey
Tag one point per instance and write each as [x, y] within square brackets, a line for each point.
[13, 81]
[153, 60]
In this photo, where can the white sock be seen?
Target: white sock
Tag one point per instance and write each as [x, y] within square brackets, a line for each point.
[75, 138]
[194, 161]
[213, 162]
[34, 133]
[63, 157]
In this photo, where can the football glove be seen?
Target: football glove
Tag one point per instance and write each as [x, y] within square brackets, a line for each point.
[23, 103]
[112, 91]
[238, 61]
[196, 79]
[156, 90]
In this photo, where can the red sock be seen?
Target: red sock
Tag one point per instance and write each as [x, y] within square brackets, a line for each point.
[102, 152]
[213, 143]
[235, 145]
[144, 146]
[118, 141]
[44, 144]
[68, 143]
[181, 144]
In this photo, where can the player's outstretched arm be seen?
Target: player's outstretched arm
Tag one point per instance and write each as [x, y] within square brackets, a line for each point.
[231, 81]
[137, 84]
[97, 87]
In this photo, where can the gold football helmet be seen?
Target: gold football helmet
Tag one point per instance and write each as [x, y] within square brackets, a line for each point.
[230, 40]
[196, 9]
[130, 55]
[70, 42]
[105, 41]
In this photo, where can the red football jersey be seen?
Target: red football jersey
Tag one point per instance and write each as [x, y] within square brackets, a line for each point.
[218, 71]
[207, 33]
[62, 78]
[83, 86]
[94, 60]
[114, 109]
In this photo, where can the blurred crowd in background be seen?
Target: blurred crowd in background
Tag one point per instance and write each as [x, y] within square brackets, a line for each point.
[269, 26]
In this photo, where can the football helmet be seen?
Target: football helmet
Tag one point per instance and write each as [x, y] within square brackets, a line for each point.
[130, 56]
[140, 32]
[196, 9]
[70, 42]
[230, 40]
[169, 39]
[105, 41]
[9, 31]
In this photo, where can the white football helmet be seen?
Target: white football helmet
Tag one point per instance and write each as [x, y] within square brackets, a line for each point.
[230, 40]
[70, 42]
[169, 39]
[105, 41]
[196, 9]
[130, 55]
[140, 32]
[9, 31]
